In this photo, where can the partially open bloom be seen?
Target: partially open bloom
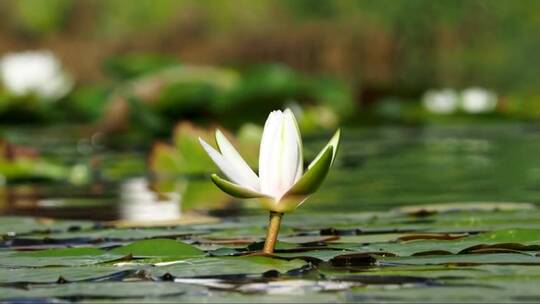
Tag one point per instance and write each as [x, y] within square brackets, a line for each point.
[281, 185]
[34, 72]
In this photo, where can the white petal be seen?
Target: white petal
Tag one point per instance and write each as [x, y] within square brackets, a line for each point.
[239, 164]
[296, 130]
[280, 161]
[289, 154]
[267, 153]
[224, 165]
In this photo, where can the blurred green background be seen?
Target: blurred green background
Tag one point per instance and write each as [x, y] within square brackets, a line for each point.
[348, 55]
[95, 90]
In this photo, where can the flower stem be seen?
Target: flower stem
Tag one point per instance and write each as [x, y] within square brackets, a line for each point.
[273, 231]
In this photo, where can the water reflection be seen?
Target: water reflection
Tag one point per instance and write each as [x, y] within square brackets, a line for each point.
[376, 169]
[94, 202]
[132, 200]
[140, 203]
[435, 164]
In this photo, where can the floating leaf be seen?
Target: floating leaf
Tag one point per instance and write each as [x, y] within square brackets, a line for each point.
[465, 259]
[51, 274]
[158, 248]
[216, 266]
[459, 251]
[21, 225]
[59, 257]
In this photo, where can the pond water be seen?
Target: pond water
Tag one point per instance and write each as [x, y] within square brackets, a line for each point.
[388, 167]
[425, 214]
[377, 169]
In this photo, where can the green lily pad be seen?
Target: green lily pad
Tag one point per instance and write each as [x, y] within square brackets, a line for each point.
[227, 265]
[315, 255]
[511, 239]
[118, 234]
[523, 236]
[379, 256]
[58, 257]
[52, 274]
[130, 291]
[20, 225]
[465, 259]
[158, 248]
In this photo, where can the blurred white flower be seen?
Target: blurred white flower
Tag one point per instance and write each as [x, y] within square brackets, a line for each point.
[140, 203]
[478, 100]
[440, 101]
[34, 72]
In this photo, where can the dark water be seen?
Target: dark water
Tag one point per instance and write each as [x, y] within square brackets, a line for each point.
[377, 169]
[386, 167]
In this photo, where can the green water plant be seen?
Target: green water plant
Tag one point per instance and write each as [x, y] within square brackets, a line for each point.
[21, 163]
[175, 166]
[282, 185]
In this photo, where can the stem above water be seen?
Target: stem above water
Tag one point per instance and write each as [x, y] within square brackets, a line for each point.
[272, 233]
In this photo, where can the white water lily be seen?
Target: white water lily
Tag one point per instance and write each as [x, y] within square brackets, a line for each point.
[441, 101]
[478, 100]
[281, 185]
[34, 72]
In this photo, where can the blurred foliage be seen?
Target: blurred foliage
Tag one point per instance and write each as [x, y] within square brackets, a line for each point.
[411, 45]
[149, 93]
[377, 51]
[171, 160]
[137, 64]
[27, 163]
[154, 101]
[87, 103]
[176, 167]
[40, 17]
[26, 109]
[19, 163]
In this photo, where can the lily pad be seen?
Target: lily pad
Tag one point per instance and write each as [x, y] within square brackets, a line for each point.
[101, 291]
[58, 257]
[10, 225]
[218, 266]
[464, 259]
[116, 234]
[372, 256]
[158, 248]
[52, 274]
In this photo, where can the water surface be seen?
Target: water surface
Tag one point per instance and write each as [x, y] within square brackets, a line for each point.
[377, 169]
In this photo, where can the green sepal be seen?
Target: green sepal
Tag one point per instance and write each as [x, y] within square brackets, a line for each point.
[333, 142]
[314, 176]
[234, 189]
[287, 203]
